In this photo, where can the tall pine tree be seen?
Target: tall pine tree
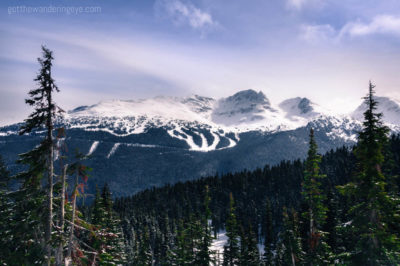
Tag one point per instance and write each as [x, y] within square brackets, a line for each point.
[290, 242]
[108, 238]
[231, 249]
[317, 250]
[375, 212]
[268, 235]
[40, 159]
[249, 254]
[204, 255]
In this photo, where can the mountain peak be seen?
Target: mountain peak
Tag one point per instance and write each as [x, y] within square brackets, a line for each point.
[249, 95]
[244, 107]
[389, 107]
[299, 107]
[305, 106]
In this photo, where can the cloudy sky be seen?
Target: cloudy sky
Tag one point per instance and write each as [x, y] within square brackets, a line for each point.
[326, 50]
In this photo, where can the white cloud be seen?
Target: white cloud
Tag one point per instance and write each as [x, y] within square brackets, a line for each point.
[300, 4]
[317, 33]
[297, 4]
[186, 13]
[383, 24]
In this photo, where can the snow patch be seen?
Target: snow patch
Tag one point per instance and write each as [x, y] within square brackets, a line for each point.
[217, 246]
[8, 133]
[113, 150]
[142, 145]
[93, 147]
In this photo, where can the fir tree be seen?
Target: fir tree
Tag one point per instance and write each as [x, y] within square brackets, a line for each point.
[145, 253]
[374, 213]
[98, 212]
[336, 238]
[180, 254]
[4, 175]
[204, 256]
[166, 242]
[268, 235]
[317, 250]
[32, 196]
[6, 214]
[249, 254]
[231, 249]
[292, 253]
[78, 170]
[108, 233]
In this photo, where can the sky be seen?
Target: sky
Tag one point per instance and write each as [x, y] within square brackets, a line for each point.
[326, 50]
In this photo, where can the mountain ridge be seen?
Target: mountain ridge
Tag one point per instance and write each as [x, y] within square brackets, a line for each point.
[137, 144]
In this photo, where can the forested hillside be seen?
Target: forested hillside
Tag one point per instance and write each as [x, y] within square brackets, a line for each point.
[260, 197]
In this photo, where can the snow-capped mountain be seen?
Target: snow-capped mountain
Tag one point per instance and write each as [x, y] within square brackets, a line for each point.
[187, 118]
[301, 108]
[388, 107]
[245, 107]
[135, 144]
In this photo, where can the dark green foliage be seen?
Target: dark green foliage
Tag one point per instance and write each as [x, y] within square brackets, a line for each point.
[145, 254]
[33, 203]
[317, 251]
[249, 254]
[183, 204]
[6, 212]
[193, 240]
[291, 252]
[280, 185]
[108, 239]
[205, 256]
[372, 221]
[268, 234]
[231, 248]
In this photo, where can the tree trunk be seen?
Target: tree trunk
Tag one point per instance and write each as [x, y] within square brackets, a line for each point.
[71, 236]
[311, 232]
[49, 222]
[293, 259]
[60, 253]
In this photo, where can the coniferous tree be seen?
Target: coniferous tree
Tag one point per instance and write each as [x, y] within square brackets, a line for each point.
[317, 250]
[291, 249]
[204, 255]
[145, 253]
[180, 254]
[40, 162]
[249, 254]
[98, 209]
[4, 175]
[166, 243]
[375, 212]
[6, 214]
[336, 239]
[268, 235]
[78, 170]
[61, 223]
[231, 249]
[108, 239]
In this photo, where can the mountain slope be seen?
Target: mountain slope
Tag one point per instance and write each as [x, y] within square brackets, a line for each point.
[140, 143]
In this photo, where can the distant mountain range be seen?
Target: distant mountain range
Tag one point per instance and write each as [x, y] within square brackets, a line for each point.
[135, 144]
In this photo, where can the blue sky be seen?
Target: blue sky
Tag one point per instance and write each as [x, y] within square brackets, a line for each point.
[326, 50]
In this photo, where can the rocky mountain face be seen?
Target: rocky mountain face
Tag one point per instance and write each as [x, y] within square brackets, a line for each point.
[136, 144]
